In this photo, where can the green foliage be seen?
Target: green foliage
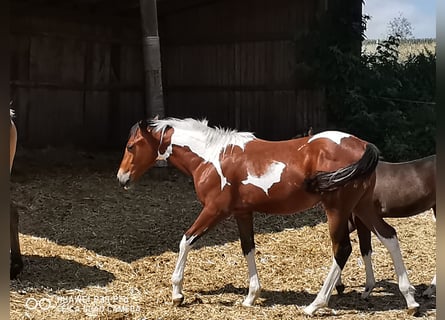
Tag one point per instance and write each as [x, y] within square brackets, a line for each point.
[382, 99]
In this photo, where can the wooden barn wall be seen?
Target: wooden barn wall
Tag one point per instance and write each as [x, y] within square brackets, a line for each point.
[75, 79]
[235, 63]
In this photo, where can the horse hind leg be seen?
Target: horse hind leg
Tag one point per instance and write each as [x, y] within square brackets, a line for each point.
[339, 286]
[341, 244]
[364, 236]
[206, 220]
[245, 228]
[388, 237]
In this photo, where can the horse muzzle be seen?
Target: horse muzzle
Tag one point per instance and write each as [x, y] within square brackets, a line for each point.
[124, 179]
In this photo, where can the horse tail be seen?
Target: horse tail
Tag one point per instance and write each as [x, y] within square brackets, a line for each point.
[331, 181]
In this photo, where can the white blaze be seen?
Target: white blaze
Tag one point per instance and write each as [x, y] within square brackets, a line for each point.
[334, 136]
[266, 180]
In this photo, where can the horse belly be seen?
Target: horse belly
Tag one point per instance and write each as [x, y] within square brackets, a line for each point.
[406, 206]
[276, 201]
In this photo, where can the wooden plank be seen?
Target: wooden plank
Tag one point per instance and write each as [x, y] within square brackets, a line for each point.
[55, 118]
[53, 61]
[79, 86]
[96, 125]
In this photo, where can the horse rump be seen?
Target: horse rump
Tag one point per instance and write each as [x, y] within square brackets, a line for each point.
[331, 181]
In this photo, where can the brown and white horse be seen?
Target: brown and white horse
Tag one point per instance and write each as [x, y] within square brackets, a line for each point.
[235, 173]
[402, 190]
[16, 256]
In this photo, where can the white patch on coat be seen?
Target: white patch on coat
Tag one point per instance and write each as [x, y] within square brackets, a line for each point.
[207, 143]
[266, 180]
[334, 136]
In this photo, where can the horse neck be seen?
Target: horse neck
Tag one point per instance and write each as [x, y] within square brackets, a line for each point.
[179, 156]
[184, 159]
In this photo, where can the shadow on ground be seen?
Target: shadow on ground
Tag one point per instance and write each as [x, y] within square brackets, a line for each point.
[40, 271]
[350, 300]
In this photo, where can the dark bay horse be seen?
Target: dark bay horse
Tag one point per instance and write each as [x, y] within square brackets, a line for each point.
[401, 190]
[16, 256]
[235, 173]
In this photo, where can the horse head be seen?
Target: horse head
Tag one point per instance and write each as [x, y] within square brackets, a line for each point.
[140, 154]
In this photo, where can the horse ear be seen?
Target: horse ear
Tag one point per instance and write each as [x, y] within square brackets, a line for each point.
[156, 117]
[143, 124]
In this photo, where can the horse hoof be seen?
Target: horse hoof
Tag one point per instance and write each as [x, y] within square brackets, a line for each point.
[178, 301]
[340, 288]
[413, 311]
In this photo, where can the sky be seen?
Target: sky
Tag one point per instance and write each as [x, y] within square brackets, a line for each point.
[420, 13]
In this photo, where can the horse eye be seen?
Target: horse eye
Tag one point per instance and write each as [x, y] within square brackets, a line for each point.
[130, 147]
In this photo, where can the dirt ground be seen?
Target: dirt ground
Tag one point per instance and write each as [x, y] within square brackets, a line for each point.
[95, 251]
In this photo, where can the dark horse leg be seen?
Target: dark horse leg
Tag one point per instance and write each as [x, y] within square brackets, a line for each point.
[245, 227]
[339, 286]
[341, 247]
[431, 290]
[208, 218]
[364, 236]
[16, 256]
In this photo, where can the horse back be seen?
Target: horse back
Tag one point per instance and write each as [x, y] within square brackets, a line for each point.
[407, 188]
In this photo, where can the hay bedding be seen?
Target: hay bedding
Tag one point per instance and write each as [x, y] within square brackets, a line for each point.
[93, 251]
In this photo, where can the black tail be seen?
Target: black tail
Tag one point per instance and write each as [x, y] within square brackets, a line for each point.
[330, 181]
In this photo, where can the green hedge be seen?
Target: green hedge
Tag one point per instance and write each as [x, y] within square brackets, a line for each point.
[382, 99]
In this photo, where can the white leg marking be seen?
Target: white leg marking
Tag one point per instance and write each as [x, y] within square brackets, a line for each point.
[323, 296]
[392, 244]
[431, 290]
[339, 282]
[254, 282]
[178, 274]
[370, 279]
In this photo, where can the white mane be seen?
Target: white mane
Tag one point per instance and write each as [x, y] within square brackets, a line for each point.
[204, 141]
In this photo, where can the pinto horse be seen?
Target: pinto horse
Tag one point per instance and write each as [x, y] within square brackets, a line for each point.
[235, 173]
[16, 256]
[401, 190]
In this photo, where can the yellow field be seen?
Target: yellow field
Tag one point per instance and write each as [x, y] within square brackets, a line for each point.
[407, 47]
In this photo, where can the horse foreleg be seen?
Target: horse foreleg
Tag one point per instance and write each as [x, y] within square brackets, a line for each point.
[16, 256]
[206, 219]
[178, 275]
[245, 227]
[364, 236]
[342, 248]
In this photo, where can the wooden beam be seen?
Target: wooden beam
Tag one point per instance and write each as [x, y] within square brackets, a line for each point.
[74, 86]
[154, 102]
